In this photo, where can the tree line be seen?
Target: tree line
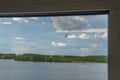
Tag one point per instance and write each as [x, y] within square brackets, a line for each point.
[54, 58]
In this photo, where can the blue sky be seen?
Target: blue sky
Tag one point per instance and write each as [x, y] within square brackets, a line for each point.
[55, 35]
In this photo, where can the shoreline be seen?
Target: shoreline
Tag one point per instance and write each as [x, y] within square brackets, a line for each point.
[56, 58]
[57, 62]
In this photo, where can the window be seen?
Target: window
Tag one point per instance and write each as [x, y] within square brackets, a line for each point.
[54, 47]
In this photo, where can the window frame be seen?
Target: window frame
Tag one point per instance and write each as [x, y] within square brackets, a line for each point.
[57, 6]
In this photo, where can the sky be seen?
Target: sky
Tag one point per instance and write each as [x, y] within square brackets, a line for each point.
[78, 35]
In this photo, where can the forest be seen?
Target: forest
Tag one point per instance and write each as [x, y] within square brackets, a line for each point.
[55, 58]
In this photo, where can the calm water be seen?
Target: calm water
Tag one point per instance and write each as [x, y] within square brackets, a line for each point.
[18, 70]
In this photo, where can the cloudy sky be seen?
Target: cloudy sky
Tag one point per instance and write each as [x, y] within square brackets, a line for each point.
[58, 35]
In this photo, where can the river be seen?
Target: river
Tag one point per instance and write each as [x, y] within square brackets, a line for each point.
[19, 70]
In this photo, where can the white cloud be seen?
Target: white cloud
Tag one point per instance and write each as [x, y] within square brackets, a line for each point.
[69, 23]
[96, 33]
[18, 38]
[20, 20]
[104, 36]
[58, 44]
[71, 36]
[96, 36]
[95, 30]
[84, 36]
[6, 23]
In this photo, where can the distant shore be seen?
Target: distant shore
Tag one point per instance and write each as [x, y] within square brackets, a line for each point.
[55, 58]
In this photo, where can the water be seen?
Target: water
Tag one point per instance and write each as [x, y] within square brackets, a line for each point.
[18, 70]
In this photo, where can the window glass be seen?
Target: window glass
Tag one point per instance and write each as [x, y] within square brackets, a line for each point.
[54, 47]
